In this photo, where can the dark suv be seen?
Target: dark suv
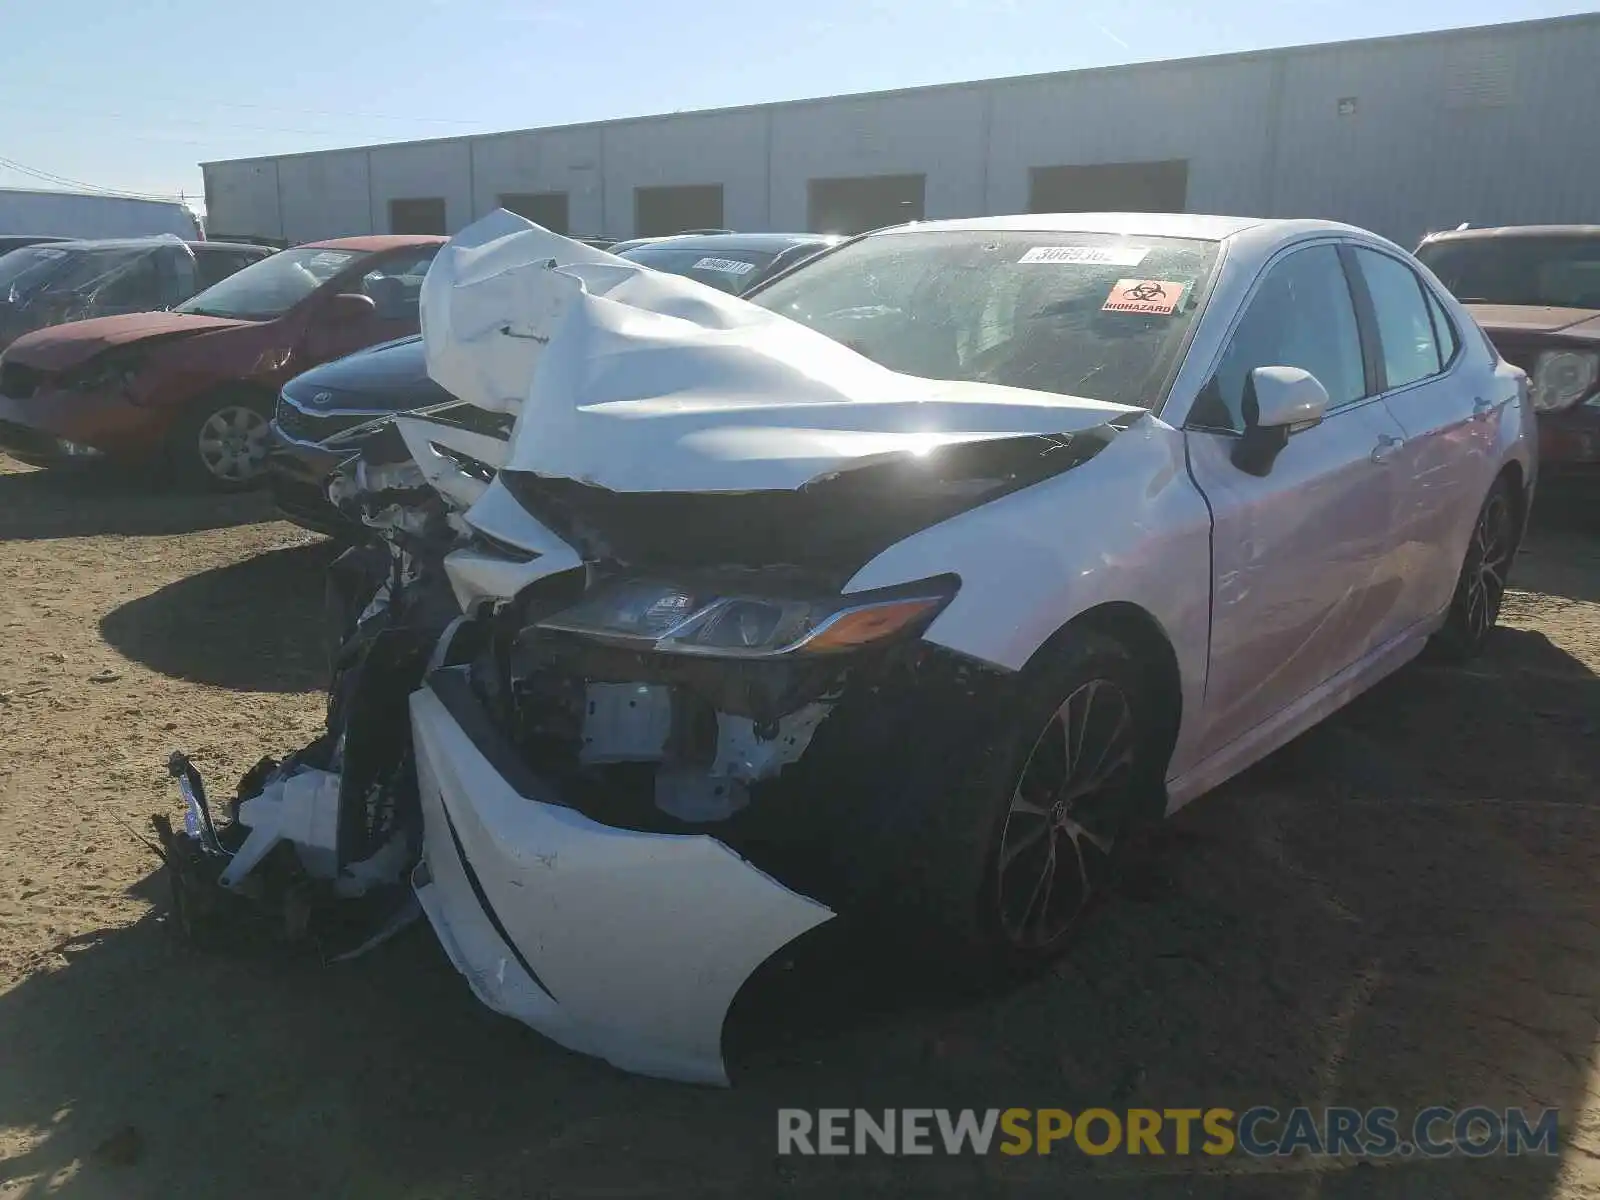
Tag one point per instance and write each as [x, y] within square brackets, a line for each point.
[1535, 291]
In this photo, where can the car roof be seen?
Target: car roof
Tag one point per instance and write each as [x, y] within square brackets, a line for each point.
[1184, 225]
[1512, 231]
[772, 243]
[133, 243]
[377, 242]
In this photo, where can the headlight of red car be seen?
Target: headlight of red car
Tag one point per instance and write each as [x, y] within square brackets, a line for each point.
[1561, 378]
[108, 371]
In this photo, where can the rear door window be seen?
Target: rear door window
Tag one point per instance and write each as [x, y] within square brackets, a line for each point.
[1405, 326]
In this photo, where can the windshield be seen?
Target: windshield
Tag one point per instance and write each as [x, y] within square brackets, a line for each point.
[271, 287]
[726, 270]
[34, 269]
[1084, 314]
[1560, 271]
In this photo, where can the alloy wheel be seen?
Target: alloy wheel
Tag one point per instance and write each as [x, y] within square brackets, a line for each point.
[1065, 812]
[233, 443]
[1488, 564]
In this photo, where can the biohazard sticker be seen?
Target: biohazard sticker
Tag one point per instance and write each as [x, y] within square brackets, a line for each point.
[725, 266]
[1091, 256]
[1156, 296]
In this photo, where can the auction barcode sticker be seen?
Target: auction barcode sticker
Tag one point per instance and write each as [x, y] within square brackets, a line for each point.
[1094, 256]
[728, 266]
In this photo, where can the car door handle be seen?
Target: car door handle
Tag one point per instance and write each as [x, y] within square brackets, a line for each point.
[1387, 445]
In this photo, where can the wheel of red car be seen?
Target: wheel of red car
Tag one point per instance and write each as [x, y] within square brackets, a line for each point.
[222, 442]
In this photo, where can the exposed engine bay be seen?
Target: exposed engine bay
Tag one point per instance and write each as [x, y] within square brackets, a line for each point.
[606, 703]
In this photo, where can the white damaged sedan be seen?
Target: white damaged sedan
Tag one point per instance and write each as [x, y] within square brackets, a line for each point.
[906, 586]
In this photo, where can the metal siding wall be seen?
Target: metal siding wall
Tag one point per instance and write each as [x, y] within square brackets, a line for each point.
[325, 195]
[1217, 117]
[408, 172]
[244, 198]
[1422, 152]
[725, 148]
[1262, 135]
[566, 160]
[936, 134]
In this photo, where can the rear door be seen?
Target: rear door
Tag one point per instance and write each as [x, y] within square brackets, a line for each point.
[1301, 562]
[1449, 412]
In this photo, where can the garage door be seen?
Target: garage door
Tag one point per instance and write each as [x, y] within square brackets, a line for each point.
[416, 216]
[542, 208]
[866, 202]
[662, 210]
[1110, 187]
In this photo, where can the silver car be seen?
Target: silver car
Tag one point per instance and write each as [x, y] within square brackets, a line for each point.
[908, 585]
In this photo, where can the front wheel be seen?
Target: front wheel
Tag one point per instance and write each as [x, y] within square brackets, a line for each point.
[221, 443]
[1481, 586]
[1019, 833]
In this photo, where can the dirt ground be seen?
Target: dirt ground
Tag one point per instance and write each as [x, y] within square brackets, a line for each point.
[1401, 908]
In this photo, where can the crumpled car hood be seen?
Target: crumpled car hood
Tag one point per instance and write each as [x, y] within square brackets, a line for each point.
[638, 381]
[63, 346]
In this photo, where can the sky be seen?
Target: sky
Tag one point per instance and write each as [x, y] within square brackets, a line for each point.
[133, 96]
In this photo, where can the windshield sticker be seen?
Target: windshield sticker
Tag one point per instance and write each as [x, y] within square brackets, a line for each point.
[1092, 256]
[329, 258]
[47, 255]
[728, 266]
[1158, 296]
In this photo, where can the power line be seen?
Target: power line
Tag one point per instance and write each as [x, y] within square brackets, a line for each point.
[66, 181]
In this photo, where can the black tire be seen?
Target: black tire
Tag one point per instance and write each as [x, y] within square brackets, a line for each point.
[956, 814]
[1480, 588]
[220, 442]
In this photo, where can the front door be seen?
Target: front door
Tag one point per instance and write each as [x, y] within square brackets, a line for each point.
[393, 282]
[1302, 576]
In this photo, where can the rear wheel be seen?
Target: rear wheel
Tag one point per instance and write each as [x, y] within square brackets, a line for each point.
[222, 442]
[1481, 586]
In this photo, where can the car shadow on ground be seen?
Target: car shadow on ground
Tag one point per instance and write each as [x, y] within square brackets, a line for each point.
[1398, 909]
[252, 625]
[38, 504]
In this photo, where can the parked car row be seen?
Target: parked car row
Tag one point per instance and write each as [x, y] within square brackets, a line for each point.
[193, 378]
[149, 385]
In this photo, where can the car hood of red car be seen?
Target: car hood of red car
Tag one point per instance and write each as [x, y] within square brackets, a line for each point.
[63, 346]
[1536, 319]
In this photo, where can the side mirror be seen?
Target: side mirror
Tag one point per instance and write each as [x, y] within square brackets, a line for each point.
[1278, 401]
[349, 308]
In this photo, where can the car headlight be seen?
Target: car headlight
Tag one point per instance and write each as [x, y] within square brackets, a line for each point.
[1563, 377]
[708, 621]
[104, 373]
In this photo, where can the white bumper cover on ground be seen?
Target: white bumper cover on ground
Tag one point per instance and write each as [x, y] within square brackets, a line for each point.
[622, 944]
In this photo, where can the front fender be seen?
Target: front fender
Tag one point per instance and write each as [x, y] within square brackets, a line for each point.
[1126, 526]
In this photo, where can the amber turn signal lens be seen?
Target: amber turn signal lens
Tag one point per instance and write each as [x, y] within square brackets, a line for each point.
[870, 623]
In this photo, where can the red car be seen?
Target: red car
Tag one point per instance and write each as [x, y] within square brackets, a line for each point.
[1535, 291]
[194, 387]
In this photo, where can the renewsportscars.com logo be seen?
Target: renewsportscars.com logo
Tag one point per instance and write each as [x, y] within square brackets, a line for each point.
[1258, 1132]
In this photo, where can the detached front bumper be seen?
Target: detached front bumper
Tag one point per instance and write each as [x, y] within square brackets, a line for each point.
[39, 428]
[613, 942]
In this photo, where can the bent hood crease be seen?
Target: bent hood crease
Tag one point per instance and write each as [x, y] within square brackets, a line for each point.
[638, 381]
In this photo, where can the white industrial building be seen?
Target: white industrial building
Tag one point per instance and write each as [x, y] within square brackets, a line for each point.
[1402, 135]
